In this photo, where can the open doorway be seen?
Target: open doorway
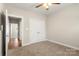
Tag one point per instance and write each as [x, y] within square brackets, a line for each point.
[15, 40]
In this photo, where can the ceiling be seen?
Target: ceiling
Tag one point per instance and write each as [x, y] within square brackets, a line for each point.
[31, 6]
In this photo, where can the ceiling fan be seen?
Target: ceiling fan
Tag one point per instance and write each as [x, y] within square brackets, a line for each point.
[45, 5]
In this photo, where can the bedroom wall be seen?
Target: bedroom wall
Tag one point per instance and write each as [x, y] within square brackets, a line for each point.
[29, 32]
[63, 26]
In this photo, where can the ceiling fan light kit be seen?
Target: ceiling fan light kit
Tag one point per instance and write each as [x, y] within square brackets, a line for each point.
[45, 5]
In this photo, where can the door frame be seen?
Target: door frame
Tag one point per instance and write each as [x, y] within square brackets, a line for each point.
[21, 29]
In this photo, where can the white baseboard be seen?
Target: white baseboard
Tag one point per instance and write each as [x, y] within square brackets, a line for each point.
[64, 44]
[33, 42]
[53, 42]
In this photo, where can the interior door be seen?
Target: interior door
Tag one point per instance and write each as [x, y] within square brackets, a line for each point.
[35, 30]
[0, 36]
[3, 27]
[5, 32]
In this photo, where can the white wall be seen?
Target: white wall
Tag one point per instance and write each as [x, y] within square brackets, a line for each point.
[63, 26]
[28, 18]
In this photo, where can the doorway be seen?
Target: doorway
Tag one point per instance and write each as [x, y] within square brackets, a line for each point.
[15, 40]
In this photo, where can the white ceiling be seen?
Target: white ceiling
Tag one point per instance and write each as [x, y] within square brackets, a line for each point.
[31, 6]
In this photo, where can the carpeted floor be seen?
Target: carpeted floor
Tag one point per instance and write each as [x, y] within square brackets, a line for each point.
[44, 48]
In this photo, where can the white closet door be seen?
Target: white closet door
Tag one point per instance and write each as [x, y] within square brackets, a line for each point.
[37, 30]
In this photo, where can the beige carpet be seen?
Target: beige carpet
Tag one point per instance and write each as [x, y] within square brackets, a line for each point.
[44, 48]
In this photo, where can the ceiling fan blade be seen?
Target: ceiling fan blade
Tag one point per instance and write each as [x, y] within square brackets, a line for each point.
[39, 5]
[55, 3]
